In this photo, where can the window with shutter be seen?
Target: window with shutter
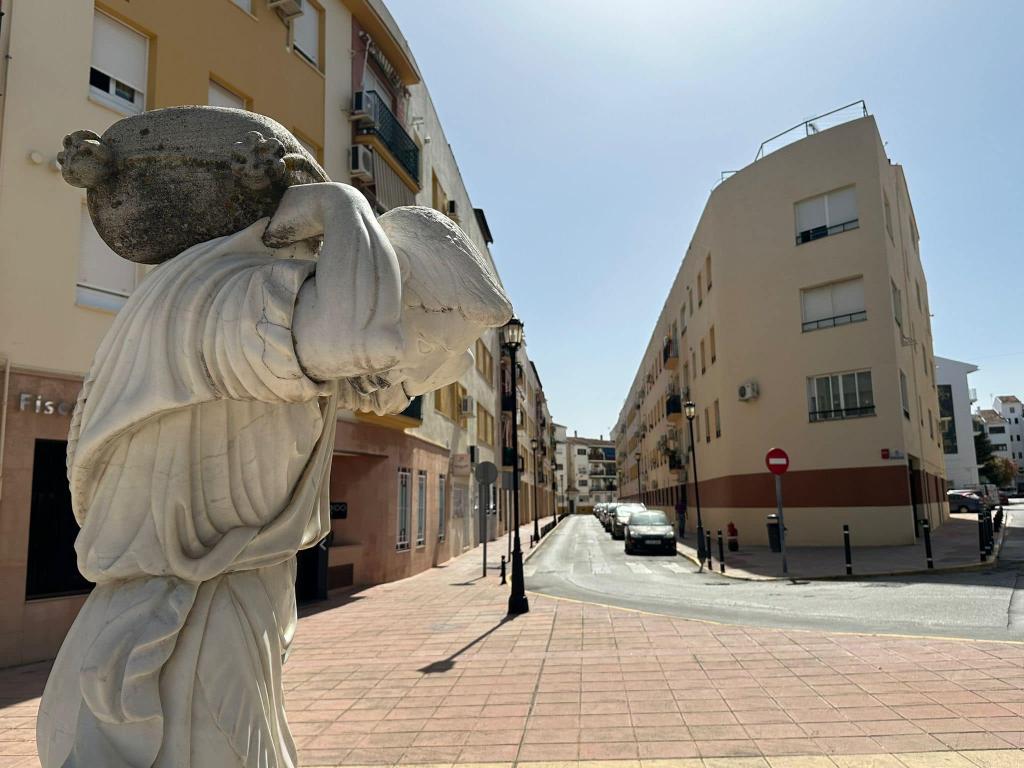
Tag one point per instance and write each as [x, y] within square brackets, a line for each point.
[827, 306]
[219, 96]
[120, 56]
[826, 215]
[105, 280]
[306, 32]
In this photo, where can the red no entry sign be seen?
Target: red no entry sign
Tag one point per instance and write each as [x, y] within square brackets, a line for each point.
[777, 461]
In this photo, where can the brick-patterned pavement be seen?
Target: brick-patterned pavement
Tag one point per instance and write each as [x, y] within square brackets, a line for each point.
[428, 670]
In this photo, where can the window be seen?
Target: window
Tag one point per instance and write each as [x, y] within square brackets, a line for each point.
[104, 279]
[421, 508]
[219, 96]
[485, 362]
[931, 425]
[581, 451]
[682, 317]
[711, 343]
[404, 490]
[700, 290]
[306, 31]
[825, 215]
[917, 285]
[904, 398]
[840, 396]
[703, 360]
[888, 216]
[442, 506]
[707, 269]
[448, 402]
[707, 427]
[52, 567]
[686, 374]
[835, 304]
[947, 424]
[718, 421]
[997, 430]
[484, 426]
[120, 58]
[689, 299]
[897, 304]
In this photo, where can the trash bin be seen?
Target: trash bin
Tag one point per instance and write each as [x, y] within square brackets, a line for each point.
[774, 533]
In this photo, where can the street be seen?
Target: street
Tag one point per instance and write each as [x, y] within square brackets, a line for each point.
[580, 561]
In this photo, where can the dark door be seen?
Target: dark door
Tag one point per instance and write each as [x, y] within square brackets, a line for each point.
[52, 563]
[311, 573]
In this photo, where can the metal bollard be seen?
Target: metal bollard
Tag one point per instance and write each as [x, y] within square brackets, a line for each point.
[997, 523]
[707, 547]
[721, 553]
[503, 570]
[847, 551]
[990, 532]
[927, 543]
[981, 536]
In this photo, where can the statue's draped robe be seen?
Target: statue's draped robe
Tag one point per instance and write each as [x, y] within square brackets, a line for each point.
[198, 462]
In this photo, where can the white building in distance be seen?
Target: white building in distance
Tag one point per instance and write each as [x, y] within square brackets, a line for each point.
[955, 422]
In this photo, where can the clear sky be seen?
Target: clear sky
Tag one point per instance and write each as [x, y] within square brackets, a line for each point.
[592, 132]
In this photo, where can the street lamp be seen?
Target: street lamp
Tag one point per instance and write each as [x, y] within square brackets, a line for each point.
[512, 338]
[536, 511]
[554, 488]
[639, 485]
[690, 409]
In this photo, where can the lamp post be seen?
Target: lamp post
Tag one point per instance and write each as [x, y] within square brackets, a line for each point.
[690, 409]
[512, 338]
[639, 484]
[554, 487]
[534, 442]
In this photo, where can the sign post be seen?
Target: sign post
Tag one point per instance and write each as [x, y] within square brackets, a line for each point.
[777, 461]
[486, 474]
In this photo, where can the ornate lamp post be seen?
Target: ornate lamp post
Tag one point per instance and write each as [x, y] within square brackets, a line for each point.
[639, 484]
[534, 442]
[690, 409]
[512, 338]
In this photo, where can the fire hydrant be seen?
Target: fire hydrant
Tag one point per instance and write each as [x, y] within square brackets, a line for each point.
[732, 537]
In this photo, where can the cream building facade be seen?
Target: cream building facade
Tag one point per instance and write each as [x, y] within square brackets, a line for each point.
[340, 75]
[798, 319]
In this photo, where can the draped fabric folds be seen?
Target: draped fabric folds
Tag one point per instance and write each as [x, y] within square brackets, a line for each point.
[197, 460]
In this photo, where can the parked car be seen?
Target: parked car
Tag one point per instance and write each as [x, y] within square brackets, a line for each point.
[650, 529]
[599, 508]
[620, 518]
[606, 516]
[1004, 497]
[965, 501]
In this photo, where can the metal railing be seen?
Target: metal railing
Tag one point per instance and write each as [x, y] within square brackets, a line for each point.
[832, 322]
[810, 125]
[389, 130]
[842, 413]
[818, 233]
[673, 404]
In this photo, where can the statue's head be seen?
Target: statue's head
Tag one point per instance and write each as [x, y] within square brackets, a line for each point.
[450, 296]
[163, 181]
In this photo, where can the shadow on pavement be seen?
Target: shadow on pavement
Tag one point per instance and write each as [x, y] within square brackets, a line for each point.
[445, 665]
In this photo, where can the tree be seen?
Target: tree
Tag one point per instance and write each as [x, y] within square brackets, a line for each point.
[1000, 472]
[982, 446]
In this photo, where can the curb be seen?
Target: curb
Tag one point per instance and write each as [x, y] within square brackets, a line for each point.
[539, 544]
[989, 564]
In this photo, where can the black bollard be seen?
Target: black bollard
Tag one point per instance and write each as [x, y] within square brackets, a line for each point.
[981, 536]
[848, 552]
[927, 543]
[721, 553]
[503, 570]
[997, 523]
[707, 547]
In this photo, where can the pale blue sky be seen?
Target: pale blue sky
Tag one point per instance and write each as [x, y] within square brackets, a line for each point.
[592, 132]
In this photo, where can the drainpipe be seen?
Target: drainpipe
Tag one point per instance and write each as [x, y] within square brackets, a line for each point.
[3, 421]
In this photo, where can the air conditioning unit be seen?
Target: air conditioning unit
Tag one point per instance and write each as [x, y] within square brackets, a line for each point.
[286, 9]
[362, 108]
[361, 163]
[748, 390]
[466, 406]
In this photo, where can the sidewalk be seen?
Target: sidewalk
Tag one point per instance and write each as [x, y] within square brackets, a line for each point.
[430, 671]
[954, 547]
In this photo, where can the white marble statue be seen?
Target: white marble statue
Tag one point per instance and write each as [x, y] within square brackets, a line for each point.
[199, 457]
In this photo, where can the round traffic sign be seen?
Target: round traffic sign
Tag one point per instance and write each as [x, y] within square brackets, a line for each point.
[486, 472]
[777, 461]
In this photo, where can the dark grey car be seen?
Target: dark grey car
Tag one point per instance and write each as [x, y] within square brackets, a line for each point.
[964, 502]
[619, 517]
[650, 530]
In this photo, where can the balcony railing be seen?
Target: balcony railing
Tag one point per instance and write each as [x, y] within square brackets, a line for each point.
[673, 405]
[823, 231]
[842, 413]
[831, 322]
[389, 130]
[668, 352]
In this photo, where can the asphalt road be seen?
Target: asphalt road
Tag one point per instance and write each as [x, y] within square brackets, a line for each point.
[580, 561]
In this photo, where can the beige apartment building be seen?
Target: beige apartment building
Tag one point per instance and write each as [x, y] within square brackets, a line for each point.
[798, 319]
[339, 75]
[591, 472]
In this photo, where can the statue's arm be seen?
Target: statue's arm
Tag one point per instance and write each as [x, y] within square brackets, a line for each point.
[347, 315]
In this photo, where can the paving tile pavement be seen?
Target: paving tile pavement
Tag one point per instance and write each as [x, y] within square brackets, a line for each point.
[430, 671]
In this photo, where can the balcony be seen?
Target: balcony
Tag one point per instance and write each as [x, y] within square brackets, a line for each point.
[670, 354]
[674, 408]
[377, 120]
